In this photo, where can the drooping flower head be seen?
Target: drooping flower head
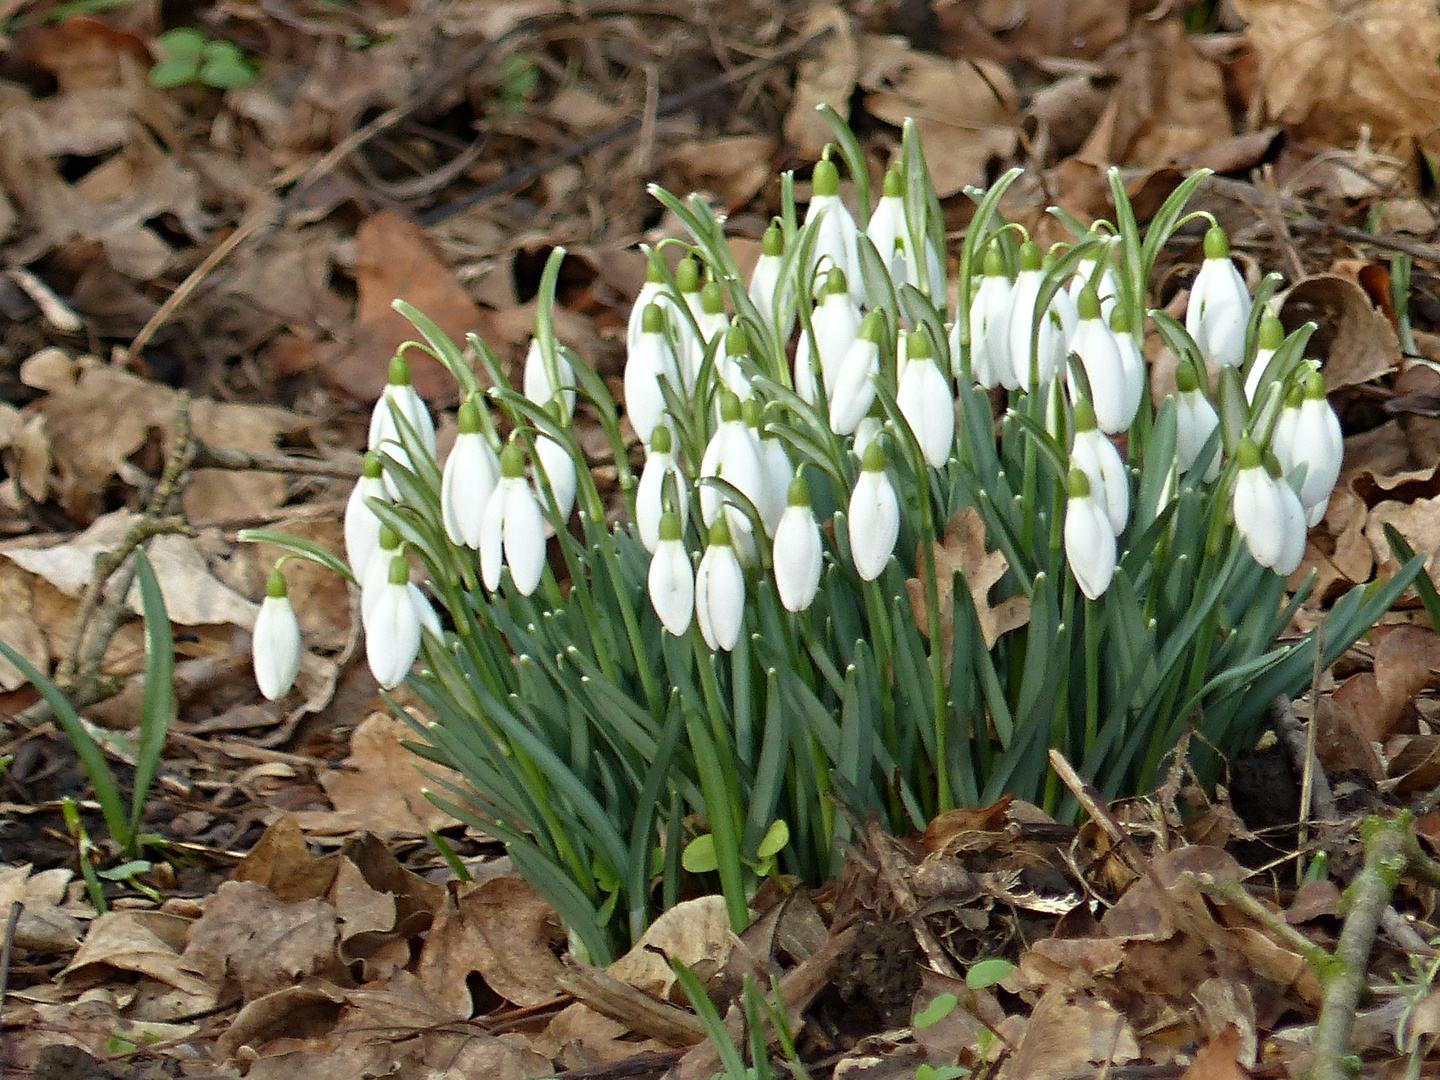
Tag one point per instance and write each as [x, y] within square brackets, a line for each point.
[925, 401]
[1219, 304]
[835, 235]
[720, 591]
[1267, 512]
[1268, 340]
[275, 640]
[512, 532]
[392, 627]
[648, 363]
[471, 472]
[797, 550]
[362, 527]
[874, 515]
[1195, 421]
[835, 322]
[670, 580]
[1099, 354]
[990, 308]
[855, 380]
[650, 492]
[775, 304]
[1089, 540]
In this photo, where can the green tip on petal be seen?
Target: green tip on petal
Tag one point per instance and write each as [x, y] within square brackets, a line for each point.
[712, 298]
[1077, 484]
[399, 570]
[874, 459]
[389, 539]
[399, 371]
[1247, 454]
[825, 179]
[894, 187]
[1088, 305]
[1272, 333]
[1030, 257]
[835, 284]
[751, 411]
[1084, 415]
[652, 319]
[468, 418]
[1217, 244]
[512, 461]
[798, 493]
[670, 526]
[373, 469]
[275, 585]
[1120, 320]
[1315, 385]
[737, 342]
[687, 274]
[773, 242]
[917, 345]
[729, 406]
[872, 327]
[654, 270]
[660, 439]
[1185, 378]
[994, 265]
[720, 532]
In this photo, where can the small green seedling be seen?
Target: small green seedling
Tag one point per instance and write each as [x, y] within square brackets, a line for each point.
[190, 57]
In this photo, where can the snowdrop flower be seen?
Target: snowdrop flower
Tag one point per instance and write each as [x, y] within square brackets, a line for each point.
[926, 403]
[1089, 540]
[652, 292]
[1270, 338]
[712, 320]
[649, 493]
[558, 465]
[1132, 363]
[1051, 327]
[1268, 514]
[990, 307]
[1095, 455]
[275, 640]
[537, 385]
[471, 472]
[362, 527]
[671, 581]
[854, 390]
[874, 515]
[399, 398]
[648, 363]
[1107, 289]
[720, 591]
[512, 531]
[732, 455]
[1219, 304]
[836, 322]
[425, 612]
[392, 627]
[377, 573]
[1195, 421]
[796, 554]
[889, 230]
[1312, 438]
[866, 432]
[836, 232]
[729, 366]
[689, 349]
[774, 464]
[1110, 391]
[765, 291]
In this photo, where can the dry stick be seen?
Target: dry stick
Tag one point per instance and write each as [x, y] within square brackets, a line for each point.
[212, 457]
[1368, 895]
[670, 103]
[11, 923]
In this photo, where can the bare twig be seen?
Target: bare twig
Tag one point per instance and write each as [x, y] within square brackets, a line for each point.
[637, 1010]
[11, 922]
[212, 457]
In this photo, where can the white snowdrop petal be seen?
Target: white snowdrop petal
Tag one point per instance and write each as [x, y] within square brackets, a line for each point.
[276, 646]
[873, 523]
[671, 584]
[1089, 545]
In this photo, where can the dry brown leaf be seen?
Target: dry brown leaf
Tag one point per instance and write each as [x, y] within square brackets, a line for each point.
[1404, 662]
[42, 926]
[18, 628]
[1355, 342]
[732, 168]
[1418, 522]
[281, 861]
[1340, 744]
[361, 910]
[964, 550]
[1047, 28]
[1064, 1038]
[1330, 68]
[379, 787]
[147, 942]
[1218, 1059]
[827, 78]
[695, 932]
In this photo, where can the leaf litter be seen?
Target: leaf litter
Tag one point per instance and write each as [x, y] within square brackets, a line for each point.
[250, 242]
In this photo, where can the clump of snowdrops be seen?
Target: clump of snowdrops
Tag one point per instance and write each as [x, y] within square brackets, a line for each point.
[841, 584]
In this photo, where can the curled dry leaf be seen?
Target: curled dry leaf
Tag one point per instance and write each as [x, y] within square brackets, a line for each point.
[1405, 661]
[379, 787]
[1355, 342]
[695, 932]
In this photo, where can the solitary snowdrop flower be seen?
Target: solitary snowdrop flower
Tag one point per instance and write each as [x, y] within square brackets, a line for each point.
[774, 464]
[874, 515]
[1107, 289]
[1050, 328]
[362, 527]
[652, 292]
[836, 232]
[1024, 296]
[854, 390]
[990, 308]
[712, 320]
[399, 398]
[1269, 339]
[1095, 455]
[765, 288]
[1132, 363]
[1089, 540]
[648, 362]
[732, 455]
[275, 640]
[377, 572]
[1268, 514]
[671, 581]
[836, 322]
[730, 364]
[925, 401]
[887, 226]
[392, 627]
[471, 472]
[1219, 304]
[558, 464]
[720, 591]
[797, 550]
[1312, 437]
[1195, 421]
[689, 349]
[537, 383]
[512, 531]
[1094, 344]
[649, 493]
